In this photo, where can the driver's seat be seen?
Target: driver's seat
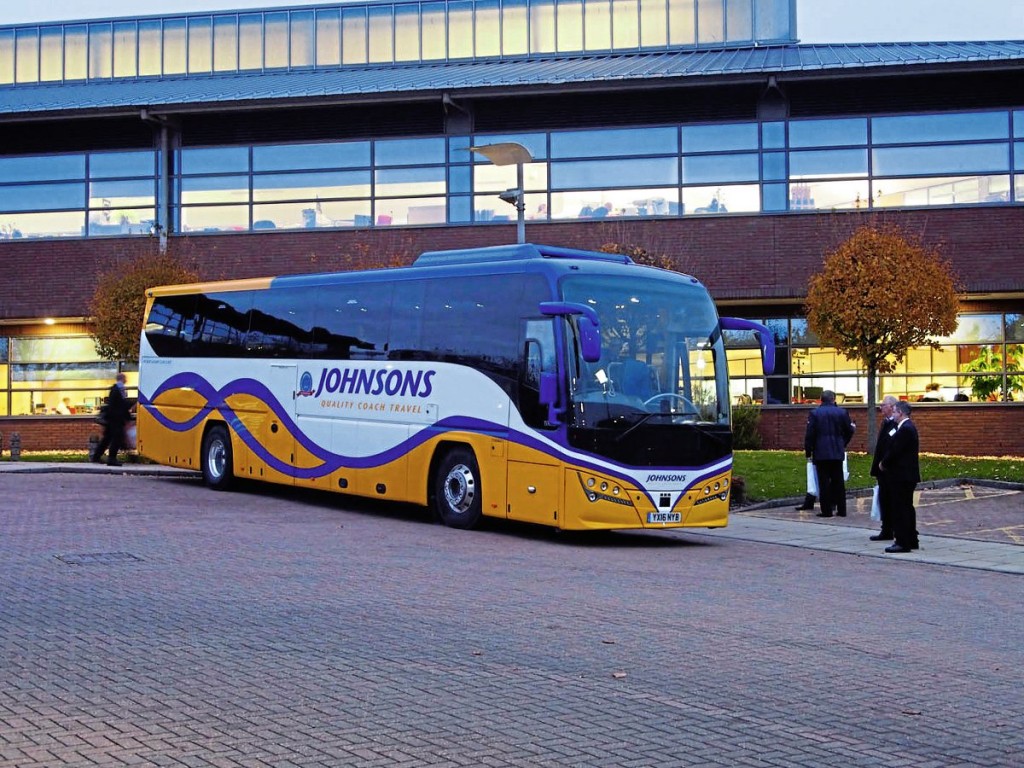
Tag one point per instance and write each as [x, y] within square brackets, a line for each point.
[636, 380]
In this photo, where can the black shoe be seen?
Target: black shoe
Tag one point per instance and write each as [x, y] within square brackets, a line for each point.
[114, 464]
[841, 514]
[824, 514]
[915, 546]
[803, 509]
[882, 537]
[96, 458]
[897, 549]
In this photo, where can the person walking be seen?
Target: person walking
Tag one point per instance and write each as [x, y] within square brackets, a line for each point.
[829, 431]
[900, 466]
[885, 432]
[116, 415]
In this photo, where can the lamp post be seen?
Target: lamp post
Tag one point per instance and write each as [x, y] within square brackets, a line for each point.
[510, 153]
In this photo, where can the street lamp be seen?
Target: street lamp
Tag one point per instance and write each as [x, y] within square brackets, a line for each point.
[510, 153]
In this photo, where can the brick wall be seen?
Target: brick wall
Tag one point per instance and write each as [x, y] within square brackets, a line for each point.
[49, 433]
[967, 429]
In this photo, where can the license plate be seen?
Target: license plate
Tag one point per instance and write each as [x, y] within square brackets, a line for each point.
[664, 517]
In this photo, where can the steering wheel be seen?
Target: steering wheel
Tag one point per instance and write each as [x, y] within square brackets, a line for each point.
[687, 403]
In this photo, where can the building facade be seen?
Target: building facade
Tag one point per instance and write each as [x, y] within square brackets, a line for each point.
[338, 136]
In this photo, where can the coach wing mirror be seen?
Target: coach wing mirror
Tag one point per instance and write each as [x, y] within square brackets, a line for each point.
[586, 321]
[764, 338]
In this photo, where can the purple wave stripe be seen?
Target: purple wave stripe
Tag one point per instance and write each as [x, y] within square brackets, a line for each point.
[215, 401]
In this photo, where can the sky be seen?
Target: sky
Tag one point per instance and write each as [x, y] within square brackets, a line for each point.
[818, 21]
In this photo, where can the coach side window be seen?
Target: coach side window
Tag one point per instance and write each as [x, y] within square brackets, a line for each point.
[281, 323]
[222, 321]
[171, 324]
[351, 321]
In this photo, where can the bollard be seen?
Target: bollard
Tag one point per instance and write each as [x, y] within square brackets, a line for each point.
[15, 446]
[91, 446]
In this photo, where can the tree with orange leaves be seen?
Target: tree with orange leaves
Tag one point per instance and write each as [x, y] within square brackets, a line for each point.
[880, 293]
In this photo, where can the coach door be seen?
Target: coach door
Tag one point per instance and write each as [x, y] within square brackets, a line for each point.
[279, 421]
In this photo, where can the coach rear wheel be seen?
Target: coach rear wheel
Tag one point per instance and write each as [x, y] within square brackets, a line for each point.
[457, 494]
[216, 459]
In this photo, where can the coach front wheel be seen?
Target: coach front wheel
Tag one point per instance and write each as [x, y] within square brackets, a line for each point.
[216, 458]
[457, 495]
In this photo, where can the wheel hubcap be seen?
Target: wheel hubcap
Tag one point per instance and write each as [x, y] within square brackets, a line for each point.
[460, 488]
[215, 461]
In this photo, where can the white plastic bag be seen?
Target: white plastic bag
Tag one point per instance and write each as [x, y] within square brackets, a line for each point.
[130, 437]
[876, 506]
[846, 469]
[812, 479]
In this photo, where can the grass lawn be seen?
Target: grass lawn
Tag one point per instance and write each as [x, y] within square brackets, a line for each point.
[780, 474]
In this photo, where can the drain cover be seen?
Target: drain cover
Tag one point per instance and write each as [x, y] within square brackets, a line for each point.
[99, 558]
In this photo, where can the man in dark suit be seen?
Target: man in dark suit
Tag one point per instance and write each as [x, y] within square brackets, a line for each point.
[885, 432]
[829, 430]
[902, 472]
[116, 415]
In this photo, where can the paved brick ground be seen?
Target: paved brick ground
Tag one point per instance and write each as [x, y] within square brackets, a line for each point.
[149, 621]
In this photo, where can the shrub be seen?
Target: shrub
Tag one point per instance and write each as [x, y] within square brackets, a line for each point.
[746, 420]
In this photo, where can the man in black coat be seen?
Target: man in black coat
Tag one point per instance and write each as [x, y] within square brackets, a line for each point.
[902, 472]
[829, 431]
[116, 414]
[885, 432]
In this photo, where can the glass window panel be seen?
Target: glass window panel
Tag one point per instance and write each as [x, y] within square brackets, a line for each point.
[301, 53]
[570, 25]
[107, 164]
[710, 21]
[828, 194]
[42, 167]
[321, 214]
[460, 209]
[738, 198]
[772, 20]
[275, 37]
[653, 29]
[287, 157]
[709, 168]
[225, 43]
[811, 164]
[960, 190]
[1015, 326]
[542, 26]
[597, 24]
[460, 179]
[410, 181]
[460, 30]
[27, 57]
[101, 51]
[712, 138]
[458, 149]
[214, 160]
[961, 126]
[120, 194]
[216, 218]
[739, 21]
[407, 33]
[61, 224]
[828, 133]
[973, 329]
[80, 349]
[682, 26]
[41, 197]
[498, 178]
[435, 32]
[427, 210]
[1018, 124]
[1018, 156]
[119, 221]
[328, 36]
[773, 197]
[174, 46]
[773, 135]
[625, 24]
[150, 47]
[603, 203]
[125, 49]
[308, 186]
[6, 62]
[215, 189]
[381, 34]
[614, 143]
[353, 36]
[515, 39]
[535, 143]
[631, 172]
[76, 52]
[409, 151]
[51, 55]
[200, 44]
[250, 41]
[774, 165]
[962, 158]
[1018, 188]
[488, 28]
